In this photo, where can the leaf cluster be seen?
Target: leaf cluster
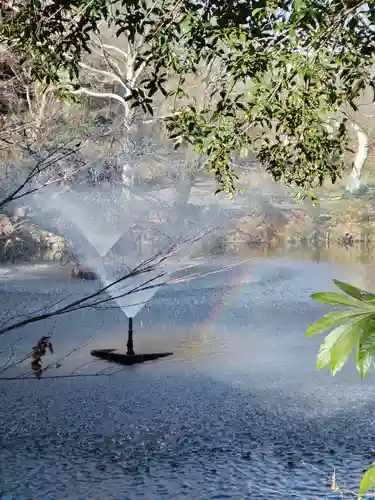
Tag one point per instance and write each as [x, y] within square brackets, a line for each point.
[352, 329]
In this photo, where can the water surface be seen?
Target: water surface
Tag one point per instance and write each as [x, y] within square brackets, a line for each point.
[238, 412]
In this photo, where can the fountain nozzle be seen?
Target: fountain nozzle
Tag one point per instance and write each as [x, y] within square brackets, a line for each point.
[129, 344]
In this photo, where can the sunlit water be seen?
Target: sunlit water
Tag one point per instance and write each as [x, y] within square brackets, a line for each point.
[238, 412]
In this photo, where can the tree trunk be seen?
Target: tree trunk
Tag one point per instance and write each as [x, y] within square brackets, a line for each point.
[354, 183]
[179, 210]
[184, 188]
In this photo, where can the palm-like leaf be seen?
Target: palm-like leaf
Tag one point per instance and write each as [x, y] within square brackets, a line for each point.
[351, 329]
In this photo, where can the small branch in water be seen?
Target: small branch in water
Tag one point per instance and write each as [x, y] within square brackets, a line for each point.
[39, 351]
[16, 362]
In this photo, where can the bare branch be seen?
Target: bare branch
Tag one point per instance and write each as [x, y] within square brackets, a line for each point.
[108, 74]
[100, 95]
[144, 267]
[82, 303]
[41, 166]
[115, 49]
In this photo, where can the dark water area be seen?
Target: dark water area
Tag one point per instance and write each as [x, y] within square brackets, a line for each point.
[239, 411]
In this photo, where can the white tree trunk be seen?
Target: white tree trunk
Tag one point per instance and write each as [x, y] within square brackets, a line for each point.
[184, 187]
[354, 183]
[121, 72]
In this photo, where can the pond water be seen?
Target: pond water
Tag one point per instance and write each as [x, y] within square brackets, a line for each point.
[238, 411]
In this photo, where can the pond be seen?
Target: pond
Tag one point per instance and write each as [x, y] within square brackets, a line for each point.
[239, 411]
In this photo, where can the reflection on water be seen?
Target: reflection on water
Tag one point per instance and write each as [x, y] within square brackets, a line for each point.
[337, 254]
[357, 261]
[342, 255]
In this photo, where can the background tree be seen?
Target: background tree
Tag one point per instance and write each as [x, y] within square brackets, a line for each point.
[362, 123]
[279, 69]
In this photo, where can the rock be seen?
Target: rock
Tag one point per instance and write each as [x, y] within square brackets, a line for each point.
[19, 213]
[83, 274]
[19, 248]
[256, 230]
[24, 241]
[6, 225]
[347, 240]
[16, 243]
[52, 241]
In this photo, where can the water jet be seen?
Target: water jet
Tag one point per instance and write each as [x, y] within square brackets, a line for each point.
[125, 238]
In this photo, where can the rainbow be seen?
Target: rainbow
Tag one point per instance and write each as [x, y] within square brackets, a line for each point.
[204, 333]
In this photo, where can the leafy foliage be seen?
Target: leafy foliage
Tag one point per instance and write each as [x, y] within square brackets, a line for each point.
[277, 71]
[350, 330]
[367, 481]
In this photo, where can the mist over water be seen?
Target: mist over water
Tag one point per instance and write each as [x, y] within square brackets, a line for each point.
[116, 231]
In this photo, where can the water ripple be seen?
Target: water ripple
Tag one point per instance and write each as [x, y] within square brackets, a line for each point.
[231, 416]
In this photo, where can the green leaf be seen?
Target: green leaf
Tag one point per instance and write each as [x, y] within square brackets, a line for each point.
[349, 289]
[244, 151]
[365, 348]
[324, 354]
[363, 362]
[332, 319]
[367, 481]
[355, 292]
[344, 345]
[335, 299]
[337, 346]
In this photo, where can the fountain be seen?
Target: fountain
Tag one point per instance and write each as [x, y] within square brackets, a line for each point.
[131, 268]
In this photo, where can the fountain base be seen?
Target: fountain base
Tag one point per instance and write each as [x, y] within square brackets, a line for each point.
[127, 359]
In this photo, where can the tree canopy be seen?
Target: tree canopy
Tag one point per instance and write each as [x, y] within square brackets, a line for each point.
[276, 72]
